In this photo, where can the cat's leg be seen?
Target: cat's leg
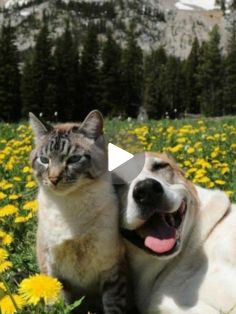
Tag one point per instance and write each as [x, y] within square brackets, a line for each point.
[115, 289]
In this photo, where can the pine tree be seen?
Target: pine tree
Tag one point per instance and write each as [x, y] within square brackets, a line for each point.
[210, 76]
[233, 5]
[153, 93]
[173, 86]
[132, 77]
[66, 61]
[41, 71]
[230, 73]
[192, 89]
[10, 99]
[221, 3]
[90, 76]
[111, 89]
[27, 89]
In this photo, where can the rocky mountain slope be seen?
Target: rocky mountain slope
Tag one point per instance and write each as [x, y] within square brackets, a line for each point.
[171, 23]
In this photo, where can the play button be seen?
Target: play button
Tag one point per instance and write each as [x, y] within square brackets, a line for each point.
[124, 166]
[117, 156]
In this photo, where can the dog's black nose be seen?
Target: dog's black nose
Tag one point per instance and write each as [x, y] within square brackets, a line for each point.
[147, 192]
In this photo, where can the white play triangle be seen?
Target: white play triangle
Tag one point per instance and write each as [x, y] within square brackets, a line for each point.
[117, 156]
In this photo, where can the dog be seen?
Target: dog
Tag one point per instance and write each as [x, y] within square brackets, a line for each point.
[181, 241]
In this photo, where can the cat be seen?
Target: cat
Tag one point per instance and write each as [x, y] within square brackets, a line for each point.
[78, 221]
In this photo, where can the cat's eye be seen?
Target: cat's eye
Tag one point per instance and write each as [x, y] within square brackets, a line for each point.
[44, 160]
[73, 159]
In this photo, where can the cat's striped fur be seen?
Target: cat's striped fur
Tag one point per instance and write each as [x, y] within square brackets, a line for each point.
[78, 226]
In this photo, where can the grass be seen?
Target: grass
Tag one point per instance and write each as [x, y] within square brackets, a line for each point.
[205, 149]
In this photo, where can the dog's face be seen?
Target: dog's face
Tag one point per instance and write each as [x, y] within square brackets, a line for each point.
[158, 207]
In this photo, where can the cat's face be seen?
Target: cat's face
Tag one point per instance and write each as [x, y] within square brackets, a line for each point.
[69, 155]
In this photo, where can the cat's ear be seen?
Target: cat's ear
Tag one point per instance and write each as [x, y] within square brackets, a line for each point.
[92, 126]
[39, 128]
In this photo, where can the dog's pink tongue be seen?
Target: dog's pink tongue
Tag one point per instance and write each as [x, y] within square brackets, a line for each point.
[159, 236]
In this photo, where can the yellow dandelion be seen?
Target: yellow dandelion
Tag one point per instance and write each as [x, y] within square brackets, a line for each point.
[3, 255]
[190, 150]
[176, 148]
[214, 154]
[29, 178]
[17, 179]
[7, 186]
[200, 122]
[21, 127]
[182, 140]
[225, 170]
[30, 184]
[203, 163]
[2, 287]
[203, 180]
[22, 219]
[14, 197]
[220, 182]
[8, 210]
[7, 306]
[2, 196]
[31, 205]
[210, 185]
[40, 287]
[187, 163]
[5, 265]
[5, 238]
[191, 170]
[26, 170]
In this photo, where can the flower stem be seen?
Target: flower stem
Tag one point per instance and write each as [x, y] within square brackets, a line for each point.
[9, 291]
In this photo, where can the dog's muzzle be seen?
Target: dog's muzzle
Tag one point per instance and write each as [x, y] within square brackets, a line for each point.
[149, 195]
[147, 192]
[161, 231]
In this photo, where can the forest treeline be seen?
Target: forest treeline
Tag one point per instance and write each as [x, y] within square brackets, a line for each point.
[64, 79]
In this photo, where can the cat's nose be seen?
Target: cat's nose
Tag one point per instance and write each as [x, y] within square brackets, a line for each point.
[54, 180]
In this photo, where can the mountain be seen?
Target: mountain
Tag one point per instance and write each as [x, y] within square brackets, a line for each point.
[173, 24]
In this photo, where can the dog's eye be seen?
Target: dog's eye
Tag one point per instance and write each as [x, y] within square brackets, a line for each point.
[158, 166]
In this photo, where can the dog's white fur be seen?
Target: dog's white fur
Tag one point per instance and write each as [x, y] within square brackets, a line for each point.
[201, 278]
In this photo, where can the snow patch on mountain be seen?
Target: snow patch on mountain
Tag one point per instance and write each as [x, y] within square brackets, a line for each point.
[26, 13]
[198, 4]
[182, 6]
[12, 3]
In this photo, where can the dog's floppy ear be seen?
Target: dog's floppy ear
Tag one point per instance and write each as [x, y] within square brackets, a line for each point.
[213, 200]
[213, 206]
